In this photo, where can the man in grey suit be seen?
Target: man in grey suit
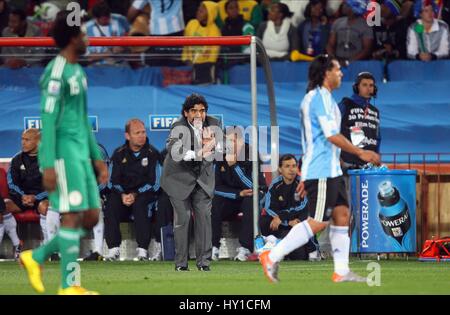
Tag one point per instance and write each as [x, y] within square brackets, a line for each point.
[188, 178]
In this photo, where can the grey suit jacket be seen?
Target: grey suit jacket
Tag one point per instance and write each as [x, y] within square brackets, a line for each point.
[180, 177]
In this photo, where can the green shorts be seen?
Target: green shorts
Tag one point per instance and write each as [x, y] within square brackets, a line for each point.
[76, 188]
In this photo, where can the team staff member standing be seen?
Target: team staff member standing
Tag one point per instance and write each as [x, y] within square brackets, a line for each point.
[360, 122]
[322, 173]
[135, 173]
[188, 179]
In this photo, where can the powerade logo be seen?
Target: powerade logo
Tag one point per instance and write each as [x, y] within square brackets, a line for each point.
[36, 122]
[365, 235]
[164, 122]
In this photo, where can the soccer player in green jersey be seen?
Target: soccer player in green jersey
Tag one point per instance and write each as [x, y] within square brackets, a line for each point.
[65, 154]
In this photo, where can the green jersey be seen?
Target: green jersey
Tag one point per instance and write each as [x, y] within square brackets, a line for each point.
[66, 131]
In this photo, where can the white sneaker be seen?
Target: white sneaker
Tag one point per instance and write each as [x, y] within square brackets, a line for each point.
[243, 254]
[142, 254]
[315, 256]
[113, 254]
[157, 255]
[215, 253]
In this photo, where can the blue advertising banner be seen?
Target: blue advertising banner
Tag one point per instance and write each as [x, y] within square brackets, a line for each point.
[36, 122]
[383, 206]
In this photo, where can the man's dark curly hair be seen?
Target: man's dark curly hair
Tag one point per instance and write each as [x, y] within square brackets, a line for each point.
[192, 100]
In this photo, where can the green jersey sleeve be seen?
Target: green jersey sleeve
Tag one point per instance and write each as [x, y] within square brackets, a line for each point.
[52, 87]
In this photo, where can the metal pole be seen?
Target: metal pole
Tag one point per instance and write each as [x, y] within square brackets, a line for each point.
[255, 170]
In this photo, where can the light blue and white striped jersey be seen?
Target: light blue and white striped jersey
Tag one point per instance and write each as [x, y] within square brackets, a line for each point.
[320, 118]
[117, 27]
[167, 15]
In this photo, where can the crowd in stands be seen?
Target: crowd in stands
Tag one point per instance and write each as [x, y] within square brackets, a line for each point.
[289, 29]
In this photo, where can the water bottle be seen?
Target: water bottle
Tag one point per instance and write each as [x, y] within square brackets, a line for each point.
[198, 123]
[383, 167]
[394, 215]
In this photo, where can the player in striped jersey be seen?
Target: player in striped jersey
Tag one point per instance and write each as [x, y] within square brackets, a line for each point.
[65, 153]
[321, 173]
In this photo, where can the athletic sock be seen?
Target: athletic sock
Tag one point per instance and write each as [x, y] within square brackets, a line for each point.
[297, 236]
[53, 223]
[43, 223]
[2, 231]
[98, 234]
[340, 244]
[11, 228]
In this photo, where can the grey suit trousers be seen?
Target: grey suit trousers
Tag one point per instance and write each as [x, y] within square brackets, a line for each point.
[200, 203]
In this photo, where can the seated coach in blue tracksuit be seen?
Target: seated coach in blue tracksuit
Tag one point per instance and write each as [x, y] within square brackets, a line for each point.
[283, 209]
[234, 194]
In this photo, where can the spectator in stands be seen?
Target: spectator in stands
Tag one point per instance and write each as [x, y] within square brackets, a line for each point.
[278, 35]
[428, 37]
[298, 10]
[203, 58]
[25, 180]
[249, 9]
[333, 10]
[390, 36]
[314, 31]
[234, 194]
[360, 120]
[265, 7]
[284, 209]
[407, 11]
[138, 56]
[445, 14]
[105, 24]
[166, 16]
[190, 8]
[134, 185]
[351, 38]
[235, 25]
[4, 15]
[18, 57]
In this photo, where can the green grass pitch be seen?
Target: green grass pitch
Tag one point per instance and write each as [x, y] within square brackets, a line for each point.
[236, 278]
